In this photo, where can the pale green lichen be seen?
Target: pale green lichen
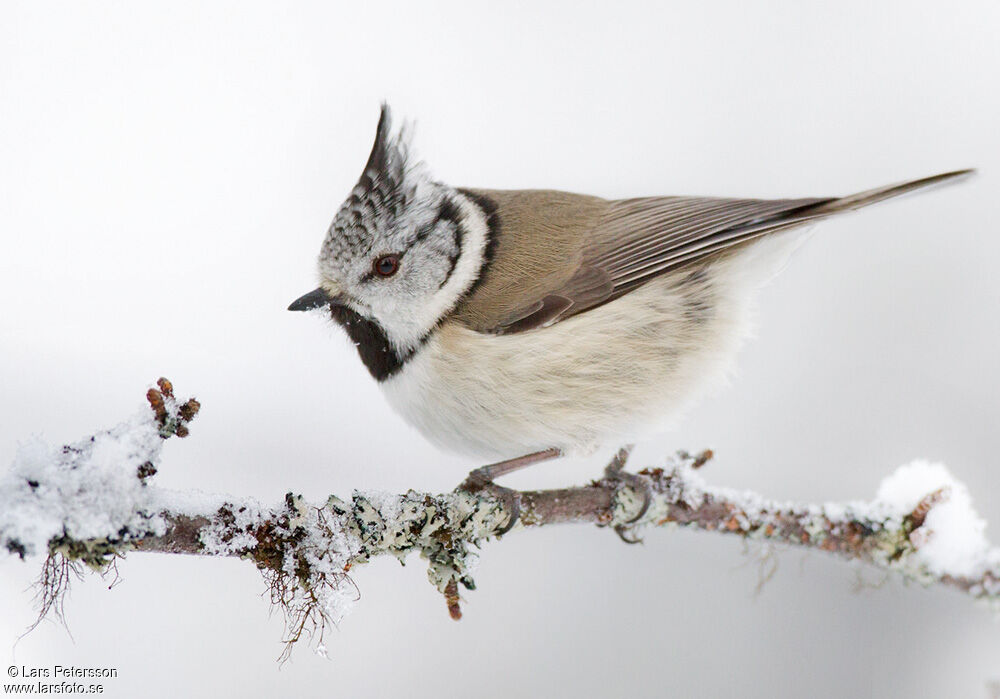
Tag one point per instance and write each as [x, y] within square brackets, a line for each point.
[306, 551]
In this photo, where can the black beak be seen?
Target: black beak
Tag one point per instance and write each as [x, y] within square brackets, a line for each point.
[317, 298]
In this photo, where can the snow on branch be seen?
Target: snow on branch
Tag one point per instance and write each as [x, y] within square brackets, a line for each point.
[92, 501]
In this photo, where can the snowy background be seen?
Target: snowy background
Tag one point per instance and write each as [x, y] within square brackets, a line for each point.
[169, 168]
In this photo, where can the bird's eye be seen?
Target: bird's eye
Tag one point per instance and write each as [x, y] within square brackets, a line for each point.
[386, 266]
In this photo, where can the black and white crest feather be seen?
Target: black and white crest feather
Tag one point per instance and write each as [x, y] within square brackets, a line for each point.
[387, 187]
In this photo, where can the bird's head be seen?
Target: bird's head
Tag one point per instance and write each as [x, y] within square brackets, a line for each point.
[401, 251]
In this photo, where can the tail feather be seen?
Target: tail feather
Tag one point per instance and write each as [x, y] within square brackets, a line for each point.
[873, 196]
[809, 213]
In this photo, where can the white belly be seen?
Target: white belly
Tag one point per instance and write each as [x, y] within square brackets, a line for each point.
[603, 378]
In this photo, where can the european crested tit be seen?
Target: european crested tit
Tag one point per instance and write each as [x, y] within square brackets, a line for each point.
[501, 323]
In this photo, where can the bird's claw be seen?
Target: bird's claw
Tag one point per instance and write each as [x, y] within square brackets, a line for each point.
[622, 531]
[511, 499]
[482, 479]
[615, 472]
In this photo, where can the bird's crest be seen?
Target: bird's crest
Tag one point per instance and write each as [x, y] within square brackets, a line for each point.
[388, 185]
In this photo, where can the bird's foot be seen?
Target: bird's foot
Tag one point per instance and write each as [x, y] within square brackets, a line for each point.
[481, 480]
[511, 499]
[615, 472]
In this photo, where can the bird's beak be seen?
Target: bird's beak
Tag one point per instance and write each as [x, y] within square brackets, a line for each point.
[317, 298]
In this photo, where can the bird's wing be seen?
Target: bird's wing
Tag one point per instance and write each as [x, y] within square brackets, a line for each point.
[609, 248]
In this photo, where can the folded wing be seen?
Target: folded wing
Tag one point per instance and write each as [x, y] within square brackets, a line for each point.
[630, 241]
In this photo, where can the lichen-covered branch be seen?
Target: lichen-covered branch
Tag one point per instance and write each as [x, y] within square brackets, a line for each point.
[94, 500]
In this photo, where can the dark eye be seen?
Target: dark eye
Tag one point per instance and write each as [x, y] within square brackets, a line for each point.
[386, 266]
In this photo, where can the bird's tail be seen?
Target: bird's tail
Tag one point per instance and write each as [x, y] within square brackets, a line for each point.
[818, 210]
[873, 196]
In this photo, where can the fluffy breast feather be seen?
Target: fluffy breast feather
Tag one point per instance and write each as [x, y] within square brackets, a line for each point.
[602, 378]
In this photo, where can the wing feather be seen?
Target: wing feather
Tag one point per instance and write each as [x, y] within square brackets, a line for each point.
[630, 241]
[638, 239]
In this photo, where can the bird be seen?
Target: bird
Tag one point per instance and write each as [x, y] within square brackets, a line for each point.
[522, 325]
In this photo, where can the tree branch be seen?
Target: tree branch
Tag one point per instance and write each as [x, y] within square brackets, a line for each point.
[93, 501]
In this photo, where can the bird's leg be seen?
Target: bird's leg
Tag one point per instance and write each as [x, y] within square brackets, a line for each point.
[482, 479]
[489, 473]
[615, 471]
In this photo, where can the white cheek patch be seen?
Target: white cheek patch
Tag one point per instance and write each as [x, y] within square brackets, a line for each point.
[408, 328]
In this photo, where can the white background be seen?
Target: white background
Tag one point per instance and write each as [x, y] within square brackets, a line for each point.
[169, 168]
